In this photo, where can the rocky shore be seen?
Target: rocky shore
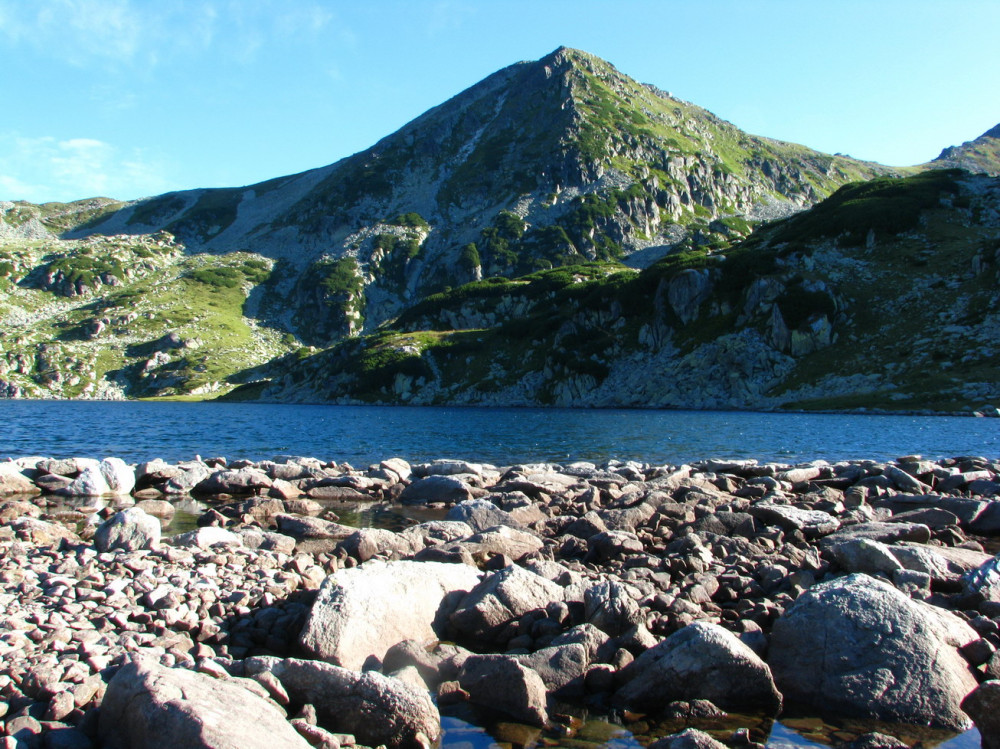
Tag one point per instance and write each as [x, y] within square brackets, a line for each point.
[663, 598]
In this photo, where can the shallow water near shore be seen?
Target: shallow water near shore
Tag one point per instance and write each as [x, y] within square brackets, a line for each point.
[360, 435]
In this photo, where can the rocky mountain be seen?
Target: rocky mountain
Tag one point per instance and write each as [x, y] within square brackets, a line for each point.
[561, 175]
[882, 296]
[542, 164]
[979, 156]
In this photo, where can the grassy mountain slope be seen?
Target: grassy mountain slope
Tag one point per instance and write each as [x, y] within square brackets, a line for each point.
[883, 296]
[115, 317]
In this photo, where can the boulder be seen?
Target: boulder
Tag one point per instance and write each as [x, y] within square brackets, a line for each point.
[689, 738]
[118, 475]
[239, 481]
[159, 508]
[700, 661]
[436, 488]
[254, 538]
[14, 480]
[595, 641]
[887, 533]
[435, 532]
[501, 683]
[859, 647]
[89, 483]
[983, 706]
[376, 709]
[207, 537]
[182, 478]
[263, 510]
[813, 523]
[867, 556]
[147, 704]
[505, 540]
[480, 514]
[904, 481]
[612, 544]
[364, 611]
[610, 608]
[485, 611]
[128, 530]
[42, 532]
[313, 534]
[365, 543]
[559, 665]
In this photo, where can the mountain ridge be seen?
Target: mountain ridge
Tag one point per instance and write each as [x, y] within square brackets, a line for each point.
[562, 162]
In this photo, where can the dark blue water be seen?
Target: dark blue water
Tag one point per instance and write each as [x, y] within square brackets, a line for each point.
[361, 435]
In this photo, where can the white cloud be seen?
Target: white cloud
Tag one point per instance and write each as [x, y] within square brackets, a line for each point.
[46, 169]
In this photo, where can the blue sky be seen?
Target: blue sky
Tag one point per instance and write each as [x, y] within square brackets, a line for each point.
[127, 98]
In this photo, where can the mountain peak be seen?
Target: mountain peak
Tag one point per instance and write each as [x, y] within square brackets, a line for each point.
[979, 156]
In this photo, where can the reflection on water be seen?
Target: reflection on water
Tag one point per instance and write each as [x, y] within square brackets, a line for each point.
[383, 515]
[464, 728]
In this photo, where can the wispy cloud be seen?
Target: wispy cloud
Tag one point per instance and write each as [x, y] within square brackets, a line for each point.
[77, 30]
[45, 169]
[139, 32]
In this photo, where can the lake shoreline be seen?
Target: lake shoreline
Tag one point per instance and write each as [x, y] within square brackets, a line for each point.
[974, 413]
[577, 584]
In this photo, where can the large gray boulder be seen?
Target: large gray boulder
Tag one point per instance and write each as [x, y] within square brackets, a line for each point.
[376, 709]
[502, 539]
[887, 533]
[128, 530]
[365, 543]
[119, 476]
[435, 532]
[14, 480]
[813, 523]
[480, 514]
[147, 705]
[689, 738]
[501, 683]
[559, 666]
[436, 488]
[610, 608]
[365, 610]
[983, 706]
[89, 483]
[859, 647]
[499, 599]
[700, 661]
[238, 481]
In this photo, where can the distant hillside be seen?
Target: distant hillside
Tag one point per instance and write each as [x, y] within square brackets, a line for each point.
[883, 296]
[560, 180]
[542, 164]
[979, 156]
